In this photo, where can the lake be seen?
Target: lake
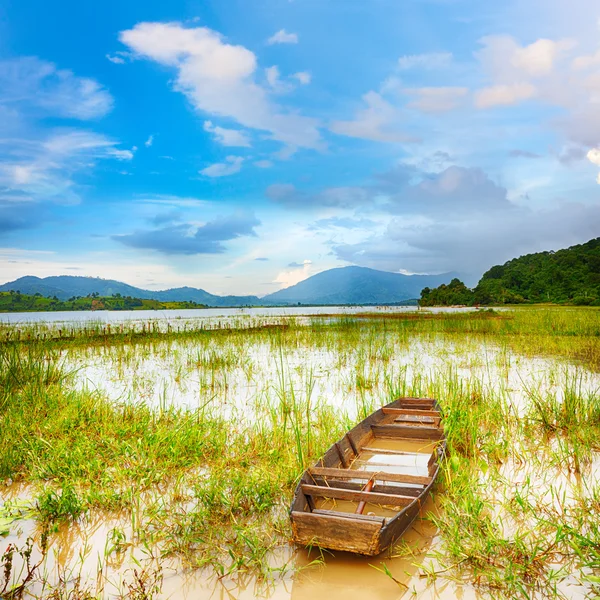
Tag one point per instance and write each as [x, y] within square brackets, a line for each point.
[124, 316]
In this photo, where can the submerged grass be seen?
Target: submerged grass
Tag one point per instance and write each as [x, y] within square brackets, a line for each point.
[212, 489]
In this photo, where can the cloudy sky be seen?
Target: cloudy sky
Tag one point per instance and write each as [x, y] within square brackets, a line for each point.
[241, 146]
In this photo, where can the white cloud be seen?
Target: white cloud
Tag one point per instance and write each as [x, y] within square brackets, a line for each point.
[377, 122]
[44, 170]
[218, 78]
[304, 77]
[149, 141]
[594, 157]
[263, 164]
[32, 84]
[227, 137]
[436, 99]
[508, 62]
[586, 62]
[272, 74]
[283, 37]
[295, 274]
[431, 60]
[122, 154]
[232, 165]
[117, 60]
[504, 95]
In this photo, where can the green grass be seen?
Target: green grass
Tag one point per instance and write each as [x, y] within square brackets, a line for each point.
[213, 491]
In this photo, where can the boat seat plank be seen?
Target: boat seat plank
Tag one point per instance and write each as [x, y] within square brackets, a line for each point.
[356, 496]
[391, 451]
[415, 419]
[407, 431]
[352, 516]
[410, 411]
[368, 475]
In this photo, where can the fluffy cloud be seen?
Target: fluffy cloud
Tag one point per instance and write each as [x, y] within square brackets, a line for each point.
[377, 122]
[504, 94]
[506, 61]
[461, 220]
[304, 77]
[187, 239]
[436, 99]
[594, 157]
[44, 169]
[283, 37]
[473, 244]
[232, 165]
[32, 84]
[227, 137]
[431, 60]
[218, 78]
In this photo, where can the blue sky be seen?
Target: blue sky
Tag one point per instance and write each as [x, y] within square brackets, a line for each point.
[242, 146]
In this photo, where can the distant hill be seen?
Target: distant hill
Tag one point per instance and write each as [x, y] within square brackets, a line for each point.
[68, 286]
[346, 285]
[356, 285]
[571, 275]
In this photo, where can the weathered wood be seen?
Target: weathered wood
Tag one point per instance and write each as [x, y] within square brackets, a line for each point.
[352, 444]
[415, 419]
[355, 496]
[410, 411]
[341, 455]
[404, 431]
[351, 516]
[363, 535]
[390, 451]
[338, 533]
[366, 475]
[380, 486]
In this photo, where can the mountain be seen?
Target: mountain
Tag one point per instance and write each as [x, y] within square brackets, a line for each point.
[68, 286]
[346, 285]
[571, 275]
[356, 285]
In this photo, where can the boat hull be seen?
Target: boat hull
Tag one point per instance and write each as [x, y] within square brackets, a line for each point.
[342, 474]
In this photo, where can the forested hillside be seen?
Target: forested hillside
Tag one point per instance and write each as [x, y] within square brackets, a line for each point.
[17, 302]
[569, 276]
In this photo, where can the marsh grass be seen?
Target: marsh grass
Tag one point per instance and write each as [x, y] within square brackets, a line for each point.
[211, 488]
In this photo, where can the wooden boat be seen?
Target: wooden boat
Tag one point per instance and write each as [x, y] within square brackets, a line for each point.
[376, 478]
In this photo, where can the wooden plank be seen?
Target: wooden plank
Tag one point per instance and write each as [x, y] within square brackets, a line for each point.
[341, 455]
[355, 496]
[410, 411]
[406, 431]
[337, 533]
[390, 451]
[352, 444]
[416, 419]
[367, 475]
[352, 516]
[380, 487]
